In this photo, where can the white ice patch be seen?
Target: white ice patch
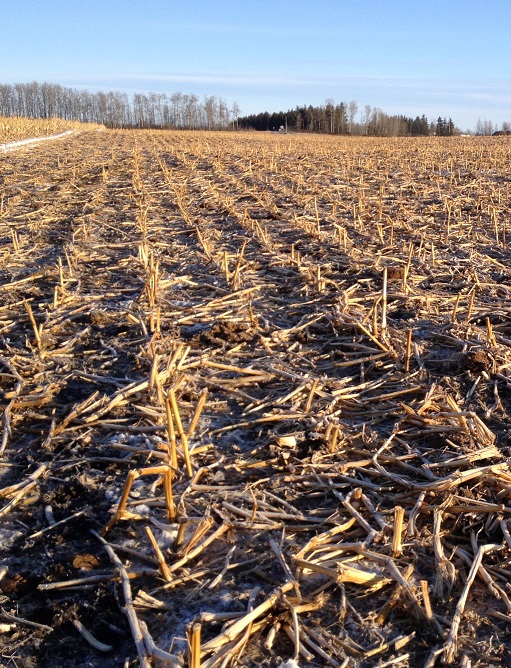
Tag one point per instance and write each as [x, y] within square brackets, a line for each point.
[142, 509]
[9, 535]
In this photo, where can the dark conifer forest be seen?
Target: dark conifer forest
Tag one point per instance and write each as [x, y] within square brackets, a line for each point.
[340, 119]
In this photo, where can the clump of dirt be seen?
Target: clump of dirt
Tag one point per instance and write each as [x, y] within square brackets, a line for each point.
[85, 561]
[475, 361]
[224, 332]
[395, 273]
[402, 314]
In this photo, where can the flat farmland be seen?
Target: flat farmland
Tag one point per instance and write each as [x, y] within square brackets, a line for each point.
[255, 395]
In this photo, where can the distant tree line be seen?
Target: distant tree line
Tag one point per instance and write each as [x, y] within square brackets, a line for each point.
[187, 111]
[488, 128]
[332, 118]
[115, 109]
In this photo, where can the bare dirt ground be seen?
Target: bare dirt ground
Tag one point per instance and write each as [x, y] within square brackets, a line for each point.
[296, 350]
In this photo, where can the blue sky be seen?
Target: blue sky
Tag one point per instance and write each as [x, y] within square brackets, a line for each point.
[449, 57]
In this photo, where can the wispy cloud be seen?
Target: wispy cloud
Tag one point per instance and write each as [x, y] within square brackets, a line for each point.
[268, 28]
[475, 89]
[240, 79]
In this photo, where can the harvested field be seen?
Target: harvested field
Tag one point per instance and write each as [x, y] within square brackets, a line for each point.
[256, 401]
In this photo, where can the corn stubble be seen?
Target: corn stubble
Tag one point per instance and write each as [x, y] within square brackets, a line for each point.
[289, 357]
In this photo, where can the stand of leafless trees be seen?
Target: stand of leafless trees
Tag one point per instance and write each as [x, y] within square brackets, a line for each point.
[115, 109]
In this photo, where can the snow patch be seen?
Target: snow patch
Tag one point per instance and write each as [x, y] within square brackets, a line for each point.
[10, 146]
